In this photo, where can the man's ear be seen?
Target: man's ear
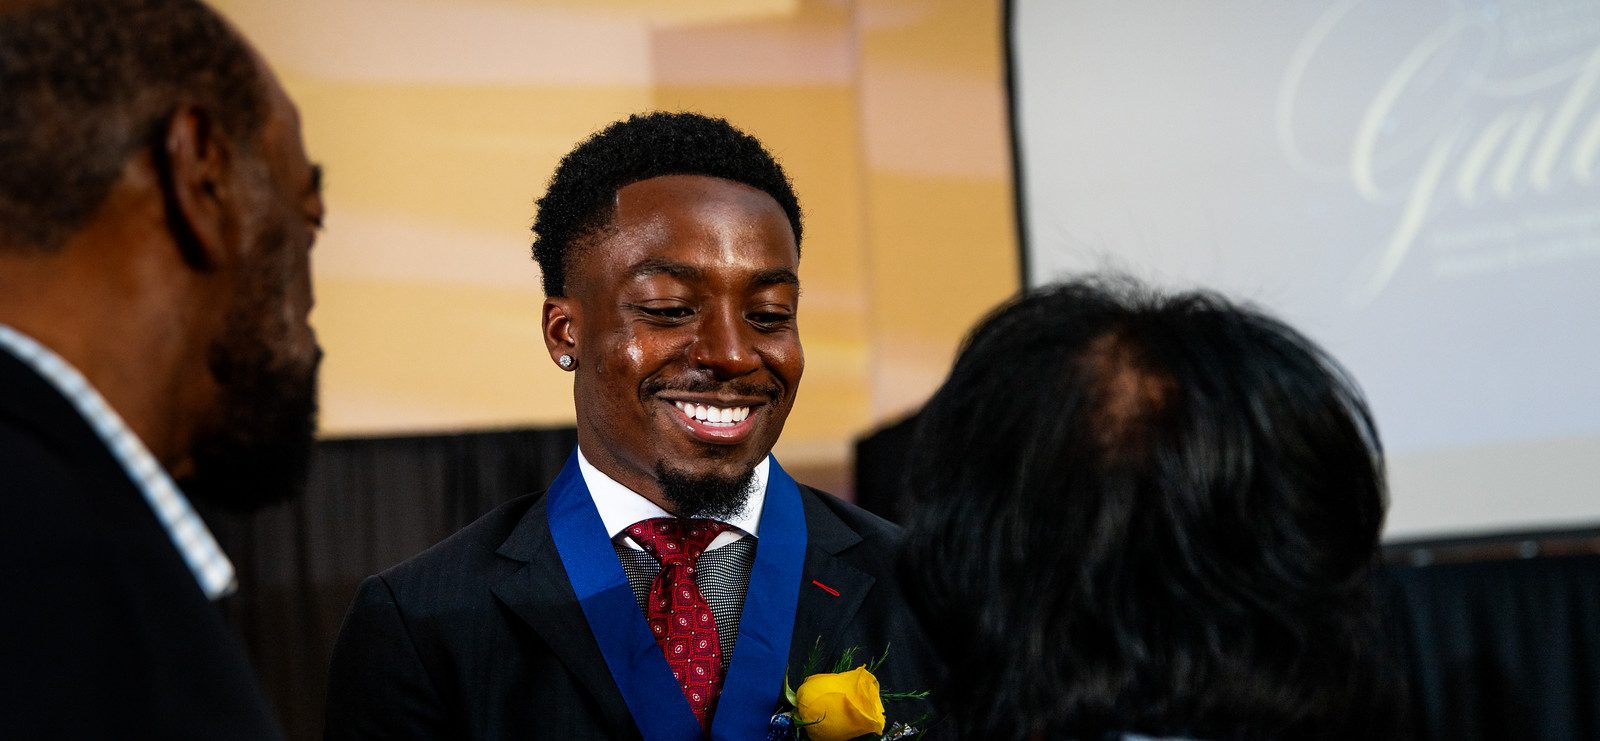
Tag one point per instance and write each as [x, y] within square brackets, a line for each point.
[194, 163]
[560, 327]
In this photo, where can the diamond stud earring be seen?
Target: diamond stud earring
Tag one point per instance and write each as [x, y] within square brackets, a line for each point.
[566, 362]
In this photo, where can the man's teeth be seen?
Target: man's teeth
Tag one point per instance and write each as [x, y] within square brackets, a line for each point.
[714, 415]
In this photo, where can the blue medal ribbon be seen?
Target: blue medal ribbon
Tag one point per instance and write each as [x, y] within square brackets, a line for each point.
[761, 654]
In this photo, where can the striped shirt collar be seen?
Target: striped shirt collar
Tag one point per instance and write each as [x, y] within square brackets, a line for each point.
[620, 506]
[188, 532]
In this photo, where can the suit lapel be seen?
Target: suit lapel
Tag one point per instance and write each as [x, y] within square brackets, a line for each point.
[822, 615]
[541, 596]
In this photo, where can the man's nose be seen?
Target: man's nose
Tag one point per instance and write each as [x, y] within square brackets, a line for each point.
[724, 345]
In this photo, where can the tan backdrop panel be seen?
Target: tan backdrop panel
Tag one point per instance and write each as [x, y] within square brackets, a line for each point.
[440, 121]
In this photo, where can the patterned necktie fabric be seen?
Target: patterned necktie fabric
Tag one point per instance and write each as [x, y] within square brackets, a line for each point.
[722, 573]
[678, 614]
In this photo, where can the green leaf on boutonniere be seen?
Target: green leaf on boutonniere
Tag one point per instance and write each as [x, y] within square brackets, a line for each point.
[847, 660]
[813, 660]
[872, 666]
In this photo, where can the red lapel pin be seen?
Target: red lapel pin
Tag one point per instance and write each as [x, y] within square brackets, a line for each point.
[825, 588]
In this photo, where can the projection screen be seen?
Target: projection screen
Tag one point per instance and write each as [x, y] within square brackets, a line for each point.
[1412, 184]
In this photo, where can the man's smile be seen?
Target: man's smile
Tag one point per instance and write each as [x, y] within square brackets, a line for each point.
[712, 414]
[717, 421]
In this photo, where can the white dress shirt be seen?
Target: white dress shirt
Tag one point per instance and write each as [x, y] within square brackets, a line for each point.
[188, 532]
[620, 506]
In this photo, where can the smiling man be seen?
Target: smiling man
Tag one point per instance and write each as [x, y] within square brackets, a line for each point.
[673, 575]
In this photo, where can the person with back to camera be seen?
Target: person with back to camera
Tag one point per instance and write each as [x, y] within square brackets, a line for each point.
[1149, 516]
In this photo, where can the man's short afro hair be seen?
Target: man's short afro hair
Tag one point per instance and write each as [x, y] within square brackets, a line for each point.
[582, 194]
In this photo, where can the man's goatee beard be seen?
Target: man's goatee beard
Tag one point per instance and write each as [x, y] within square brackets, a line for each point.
[709, 496]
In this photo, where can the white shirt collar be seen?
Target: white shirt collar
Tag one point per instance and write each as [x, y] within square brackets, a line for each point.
[620, 506]
[189, 534]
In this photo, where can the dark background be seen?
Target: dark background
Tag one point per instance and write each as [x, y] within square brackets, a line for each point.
[370, 503]
[1500, 634]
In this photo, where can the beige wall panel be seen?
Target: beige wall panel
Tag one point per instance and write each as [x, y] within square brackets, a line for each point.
[471, 156]
[959, 37]
[941, 260]
[428, 356]
[941, 233]
[439, 122]
[676, 12]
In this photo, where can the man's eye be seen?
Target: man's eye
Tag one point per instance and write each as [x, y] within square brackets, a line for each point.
[667, 312]
[770, 318]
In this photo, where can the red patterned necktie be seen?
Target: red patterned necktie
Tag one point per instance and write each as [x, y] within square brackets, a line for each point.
[679, 616]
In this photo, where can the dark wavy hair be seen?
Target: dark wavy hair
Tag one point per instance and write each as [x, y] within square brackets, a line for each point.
[581, 197]
[85, 84]
[1149, 514]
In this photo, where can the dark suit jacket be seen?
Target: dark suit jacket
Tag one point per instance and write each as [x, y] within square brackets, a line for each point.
[104, 632]
[482, 637]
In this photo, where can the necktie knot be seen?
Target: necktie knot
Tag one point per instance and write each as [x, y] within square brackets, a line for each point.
[674, 541]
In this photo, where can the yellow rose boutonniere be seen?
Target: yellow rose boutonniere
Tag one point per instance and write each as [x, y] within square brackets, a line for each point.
[839, 707]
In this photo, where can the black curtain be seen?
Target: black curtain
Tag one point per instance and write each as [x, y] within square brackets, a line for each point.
[1506, 649]
[880, 465]
[370, 504]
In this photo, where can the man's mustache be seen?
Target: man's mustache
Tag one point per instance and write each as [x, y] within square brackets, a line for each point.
[771, 392]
